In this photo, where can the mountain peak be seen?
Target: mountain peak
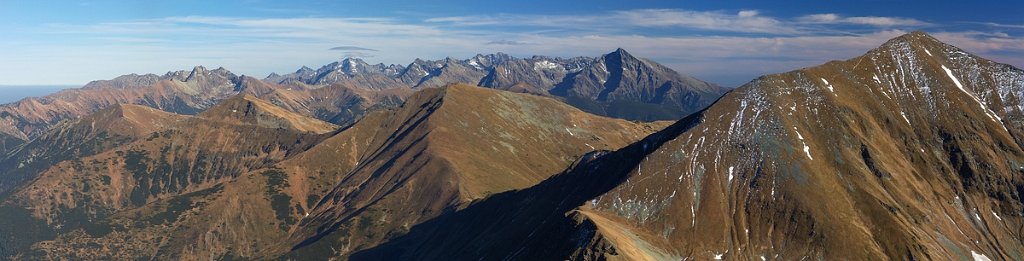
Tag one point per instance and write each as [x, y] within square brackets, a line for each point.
[621, 52]
[130, 119]
[198, 69]
[349, 60]
[914, 38]
[248, 109]
[919, 33]
[620, 55]
[196, 72]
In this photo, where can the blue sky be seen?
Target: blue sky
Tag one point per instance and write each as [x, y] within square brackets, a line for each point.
[728, 42]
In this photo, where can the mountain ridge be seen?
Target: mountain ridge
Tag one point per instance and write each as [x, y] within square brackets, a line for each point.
[800, 157]
[248, 109]
[387, 153]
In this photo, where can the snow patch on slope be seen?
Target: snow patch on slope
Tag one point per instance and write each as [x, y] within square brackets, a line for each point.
[992, 115]
[545, 64]
[807, 149]
[829, 86]
[979, 257]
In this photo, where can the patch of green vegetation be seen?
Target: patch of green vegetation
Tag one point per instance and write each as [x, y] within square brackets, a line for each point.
[312, 199]
[365, 223]
[20, 230]
[137, 163]
[280, 202]
[153, 136]
[174, 207]
[98, 229]
[275, 179]
[281, 210]
[87, 216]
[154, 177]
[230, 257]
[77, 164]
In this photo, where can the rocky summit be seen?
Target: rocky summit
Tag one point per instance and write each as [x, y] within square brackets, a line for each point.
[913, 151]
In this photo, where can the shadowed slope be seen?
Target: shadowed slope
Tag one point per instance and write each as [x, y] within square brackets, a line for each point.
[460, 144]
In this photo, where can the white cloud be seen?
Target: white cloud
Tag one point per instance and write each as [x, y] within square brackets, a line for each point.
[747, 21]
[878, 21]
[730, 48]
[820, 18]
[1012, 26]
[749, 13]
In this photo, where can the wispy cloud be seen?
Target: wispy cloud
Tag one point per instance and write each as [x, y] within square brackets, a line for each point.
[878, 21]
[352, 48]
[358, 55]
[749, 21]
[742, 21]
[506, 42]
[729, 47]
[1014, 26]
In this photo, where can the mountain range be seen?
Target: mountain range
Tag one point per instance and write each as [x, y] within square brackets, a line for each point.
[633, 88]
[910, 151]
[617, 84]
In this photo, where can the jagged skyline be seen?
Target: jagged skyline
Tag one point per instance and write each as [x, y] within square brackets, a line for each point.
[726, 43]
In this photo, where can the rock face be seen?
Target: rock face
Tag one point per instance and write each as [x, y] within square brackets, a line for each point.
[616, 84]
[623, 86]
[909, 152]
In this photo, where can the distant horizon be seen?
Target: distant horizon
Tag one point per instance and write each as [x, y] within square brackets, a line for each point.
[14, 93]
[368, 60]
[725, 42]
[726, 81]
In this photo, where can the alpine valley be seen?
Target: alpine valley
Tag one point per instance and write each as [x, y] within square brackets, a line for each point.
[912, 151]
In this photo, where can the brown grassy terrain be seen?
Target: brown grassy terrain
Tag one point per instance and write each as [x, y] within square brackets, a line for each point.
[249, 179]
